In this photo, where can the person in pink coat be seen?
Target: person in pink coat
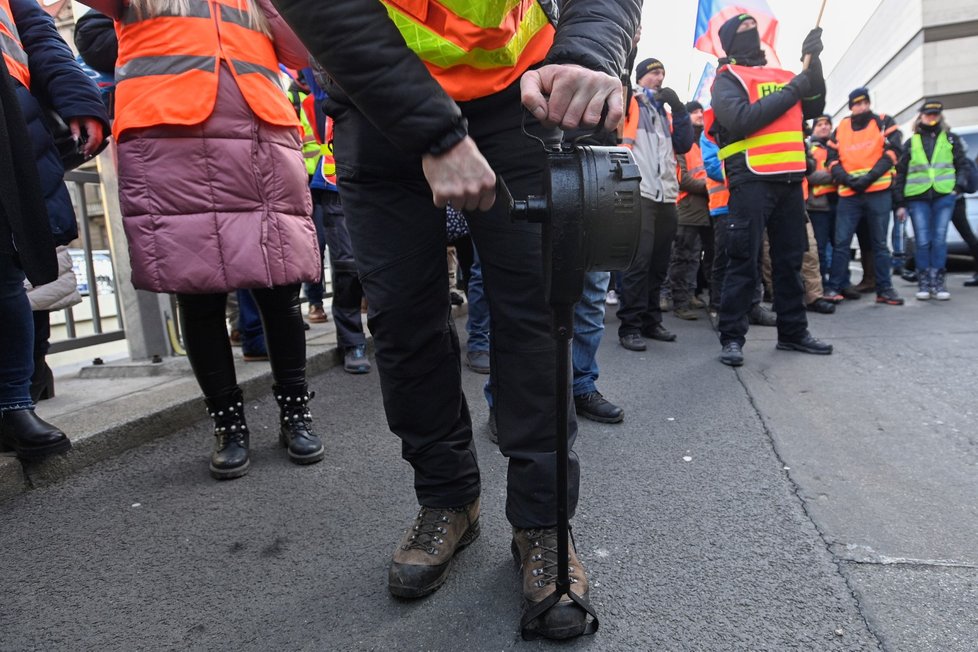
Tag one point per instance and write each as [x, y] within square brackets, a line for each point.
[214, 194]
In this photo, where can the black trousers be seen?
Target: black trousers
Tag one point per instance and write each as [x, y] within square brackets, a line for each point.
[642, 282]
[399, 242]
[691, 252]
[754, 207]
[209, 349]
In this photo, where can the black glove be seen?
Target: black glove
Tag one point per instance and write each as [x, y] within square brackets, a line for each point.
[668, 96]
[812, 44]
[801, 84]
[859, 184]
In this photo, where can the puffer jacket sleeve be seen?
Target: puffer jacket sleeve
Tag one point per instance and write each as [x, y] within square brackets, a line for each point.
[596, 34]
[288, 47]
[54, 72]
[97, 41]
[367, 57]
[58, 294]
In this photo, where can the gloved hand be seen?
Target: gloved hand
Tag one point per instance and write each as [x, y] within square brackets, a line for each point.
[860, 183]
[669, 96]
[812, 44]
[801, 84]
[901, 214]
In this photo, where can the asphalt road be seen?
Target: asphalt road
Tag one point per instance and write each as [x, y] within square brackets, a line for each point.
[799, 503]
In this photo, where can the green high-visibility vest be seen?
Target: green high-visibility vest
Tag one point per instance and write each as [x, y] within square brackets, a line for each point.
[937, 173]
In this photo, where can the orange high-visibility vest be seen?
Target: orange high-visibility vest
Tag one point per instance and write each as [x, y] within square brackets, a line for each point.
[13, 50]
[821, 155]
[859, 151]
[328, 162]
[168, 66]
[719, 194]
[779, 147]
[474, 48]
[694, 165]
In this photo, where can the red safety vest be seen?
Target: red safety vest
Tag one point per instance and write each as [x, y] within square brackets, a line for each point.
[328, 162]
[694, 165]
[13, 50]
[168, 66]
[779, 147]
[821, 154]
[474, 48]
[860, 150]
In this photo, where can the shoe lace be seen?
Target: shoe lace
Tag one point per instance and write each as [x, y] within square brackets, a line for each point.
[429, 528]
[545, 540]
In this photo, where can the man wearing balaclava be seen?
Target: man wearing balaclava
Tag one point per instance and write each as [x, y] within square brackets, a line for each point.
[862, 153]
[759, 114]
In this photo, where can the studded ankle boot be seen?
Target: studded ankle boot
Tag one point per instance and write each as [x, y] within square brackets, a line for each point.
[939, 285]
[230, 456]
[304, 446]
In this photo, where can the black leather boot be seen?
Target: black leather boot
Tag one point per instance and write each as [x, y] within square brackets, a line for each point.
[42, 382]
[304, 446]
[30, 436]
[230, 457]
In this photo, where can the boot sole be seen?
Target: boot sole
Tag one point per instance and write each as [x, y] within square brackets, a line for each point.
[600, 419]
[230, 474]
[404, 591]
[787, 346]
[35, 453]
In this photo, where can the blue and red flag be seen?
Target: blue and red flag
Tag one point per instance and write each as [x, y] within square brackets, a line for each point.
[712, 14]
[704, 89]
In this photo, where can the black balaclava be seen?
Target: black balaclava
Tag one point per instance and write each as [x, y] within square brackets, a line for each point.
[743, 48]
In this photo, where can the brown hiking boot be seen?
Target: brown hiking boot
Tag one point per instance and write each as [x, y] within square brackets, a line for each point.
[424, 556]
[535, 551]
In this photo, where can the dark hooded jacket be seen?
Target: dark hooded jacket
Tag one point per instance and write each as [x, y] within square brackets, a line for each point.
[737, 117]
[59, 80]
[372, 67]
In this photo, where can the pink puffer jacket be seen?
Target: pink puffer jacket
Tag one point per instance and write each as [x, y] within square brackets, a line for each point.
[218, 206]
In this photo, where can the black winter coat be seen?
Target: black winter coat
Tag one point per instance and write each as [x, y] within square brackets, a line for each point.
[737, 118]
[56, 77]
[372, 67]
[97, 41]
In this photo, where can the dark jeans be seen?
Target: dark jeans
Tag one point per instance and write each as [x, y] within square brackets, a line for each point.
[874, 207]
[823, 224]
[347, 291]
[692, 249]
[17, 336]
[754, 207]
[641, 283]
[399, 240]
[959, 218]
[209, 350]
[316, 291]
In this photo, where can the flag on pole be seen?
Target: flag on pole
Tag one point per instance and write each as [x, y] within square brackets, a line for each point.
[712, 14]
[704, 89]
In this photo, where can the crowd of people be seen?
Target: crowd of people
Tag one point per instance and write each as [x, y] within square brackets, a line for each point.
[244, 190]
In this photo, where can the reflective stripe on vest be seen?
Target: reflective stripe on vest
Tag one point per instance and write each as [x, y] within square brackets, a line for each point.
[821, 155]
[779, 147]
[937, 173]
[166, 60]
[474, 48]
[858, 153]
[328, 163]
[694, 166]
[13, 50]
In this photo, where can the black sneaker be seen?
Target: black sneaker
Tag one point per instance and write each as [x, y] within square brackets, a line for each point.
[889, 297]
[596, 407]
[972, 282]
[761, 316]
[633, 342]
[850, 293]
[822, 306]
[660, 333]
[806, 344]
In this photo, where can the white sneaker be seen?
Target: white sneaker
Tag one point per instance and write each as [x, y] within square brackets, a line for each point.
[611, 298]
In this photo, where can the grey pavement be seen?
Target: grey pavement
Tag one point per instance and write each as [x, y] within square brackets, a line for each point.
[797, 503]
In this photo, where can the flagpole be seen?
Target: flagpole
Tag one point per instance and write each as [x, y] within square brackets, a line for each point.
[808, 58]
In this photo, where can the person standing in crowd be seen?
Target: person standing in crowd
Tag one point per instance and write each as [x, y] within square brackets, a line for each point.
[930, 176]
[862, 153]
[822, 193]
[35, 209]
[693, 247]
[655, 137]
[759, 113]
[456, 125]
[222, 177]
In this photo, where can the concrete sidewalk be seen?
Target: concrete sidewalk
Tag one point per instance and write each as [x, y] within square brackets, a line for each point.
[111, 408]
